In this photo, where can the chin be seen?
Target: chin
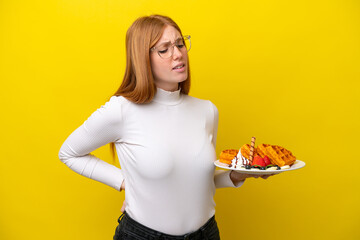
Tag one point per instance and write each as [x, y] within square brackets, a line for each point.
[182, 79]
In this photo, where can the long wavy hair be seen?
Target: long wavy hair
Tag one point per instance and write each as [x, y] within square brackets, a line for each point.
[138, 83]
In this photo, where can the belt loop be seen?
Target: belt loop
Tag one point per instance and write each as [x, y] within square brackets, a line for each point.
[121, 216]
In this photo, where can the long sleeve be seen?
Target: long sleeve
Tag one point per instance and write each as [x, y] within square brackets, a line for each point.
[221, 177]
[102, 127]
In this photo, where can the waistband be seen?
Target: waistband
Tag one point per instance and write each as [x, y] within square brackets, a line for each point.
[160, 235]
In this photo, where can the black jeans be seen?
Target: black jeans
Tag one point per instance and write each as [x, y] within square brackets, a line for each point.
[129, 229]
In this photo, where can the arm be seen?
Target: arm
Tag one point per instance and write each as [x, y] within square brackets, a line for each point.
[222, 178]
[102, 127]
[225, 178]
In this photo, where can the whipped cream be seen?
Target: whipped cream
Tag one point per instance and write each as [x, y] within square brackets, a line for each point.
[239, 161]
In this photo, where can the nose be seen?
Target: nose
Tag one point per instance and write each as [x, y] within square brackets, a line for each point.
[177, 53]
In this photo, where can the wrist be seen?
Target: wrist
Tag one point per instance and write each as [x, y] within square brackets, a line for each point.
[236, 177]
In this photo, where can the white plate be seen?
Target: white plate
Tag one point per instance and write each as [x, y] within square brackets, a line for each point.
[297, 165]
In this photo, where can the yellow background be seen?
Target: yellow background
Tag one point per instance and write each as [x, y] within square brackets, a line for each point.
[284, 71]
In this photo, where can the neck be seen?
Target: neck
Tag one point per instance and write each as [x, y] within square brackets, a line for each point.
[171, 87]
[167, 97]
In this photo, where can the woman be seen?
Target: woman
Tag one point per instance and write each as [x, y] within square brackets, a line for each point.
[165, 141]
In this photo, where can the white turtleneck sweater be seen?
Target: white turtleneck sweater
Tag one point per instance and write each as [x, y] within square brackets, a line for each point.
[166, 150]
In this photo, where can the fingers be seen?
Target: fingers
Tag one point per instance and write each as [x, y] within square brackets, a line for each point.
[261, 176]
[123, 207]
[242, 176]
[266, 176]
[122, 186]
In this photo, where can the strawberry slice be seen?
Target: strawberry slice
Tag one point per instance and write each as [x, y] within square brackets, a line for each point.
[267, 161]
[259, 161]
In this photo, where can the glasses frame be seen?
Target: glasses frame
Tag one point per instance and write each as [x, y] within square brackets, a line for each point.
[185, 37]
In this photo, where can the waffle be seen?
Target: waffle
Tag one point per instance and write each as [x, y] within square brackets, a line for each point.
[277, 155]
[245, 151]
[228, 155]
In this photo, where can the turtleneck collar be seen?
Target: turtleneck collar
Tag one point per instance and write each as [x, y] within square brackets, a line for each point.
[167, 97]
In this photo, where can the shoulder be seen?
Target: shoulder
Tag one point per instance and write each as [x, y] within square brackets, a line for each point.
[202, 104]
[118, 100]
[111, 111]
[198, 101]
[115, 103]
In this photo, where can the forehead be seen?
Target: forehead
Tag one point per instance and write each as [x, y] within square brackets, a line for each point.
[170, 34]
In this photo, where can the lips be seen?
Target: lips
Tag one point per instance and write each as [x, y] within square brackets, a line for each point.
[178, 66]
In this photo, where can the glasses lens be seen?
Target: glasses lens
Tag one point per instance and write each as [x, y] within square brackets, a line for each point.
[187, 43]
[182, 44]
[165, 50]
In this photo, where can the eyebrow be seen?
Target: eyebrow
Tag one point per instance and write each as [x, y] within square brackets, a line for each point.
[168, 42]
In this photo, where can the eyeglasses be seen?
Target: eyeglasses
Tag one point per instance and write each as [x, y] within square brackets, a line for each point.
[166, 50]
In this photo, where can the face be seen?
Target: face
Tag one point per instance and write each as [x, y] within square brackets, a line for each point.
[168, 73]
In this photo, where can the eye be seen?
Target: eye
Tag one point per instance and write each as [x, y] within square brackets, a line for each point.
[163, 48]
[180, 43]
[163, 51]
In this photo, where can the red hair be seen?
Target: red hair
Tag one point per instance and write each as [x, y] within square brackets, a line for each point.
[138, 83]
